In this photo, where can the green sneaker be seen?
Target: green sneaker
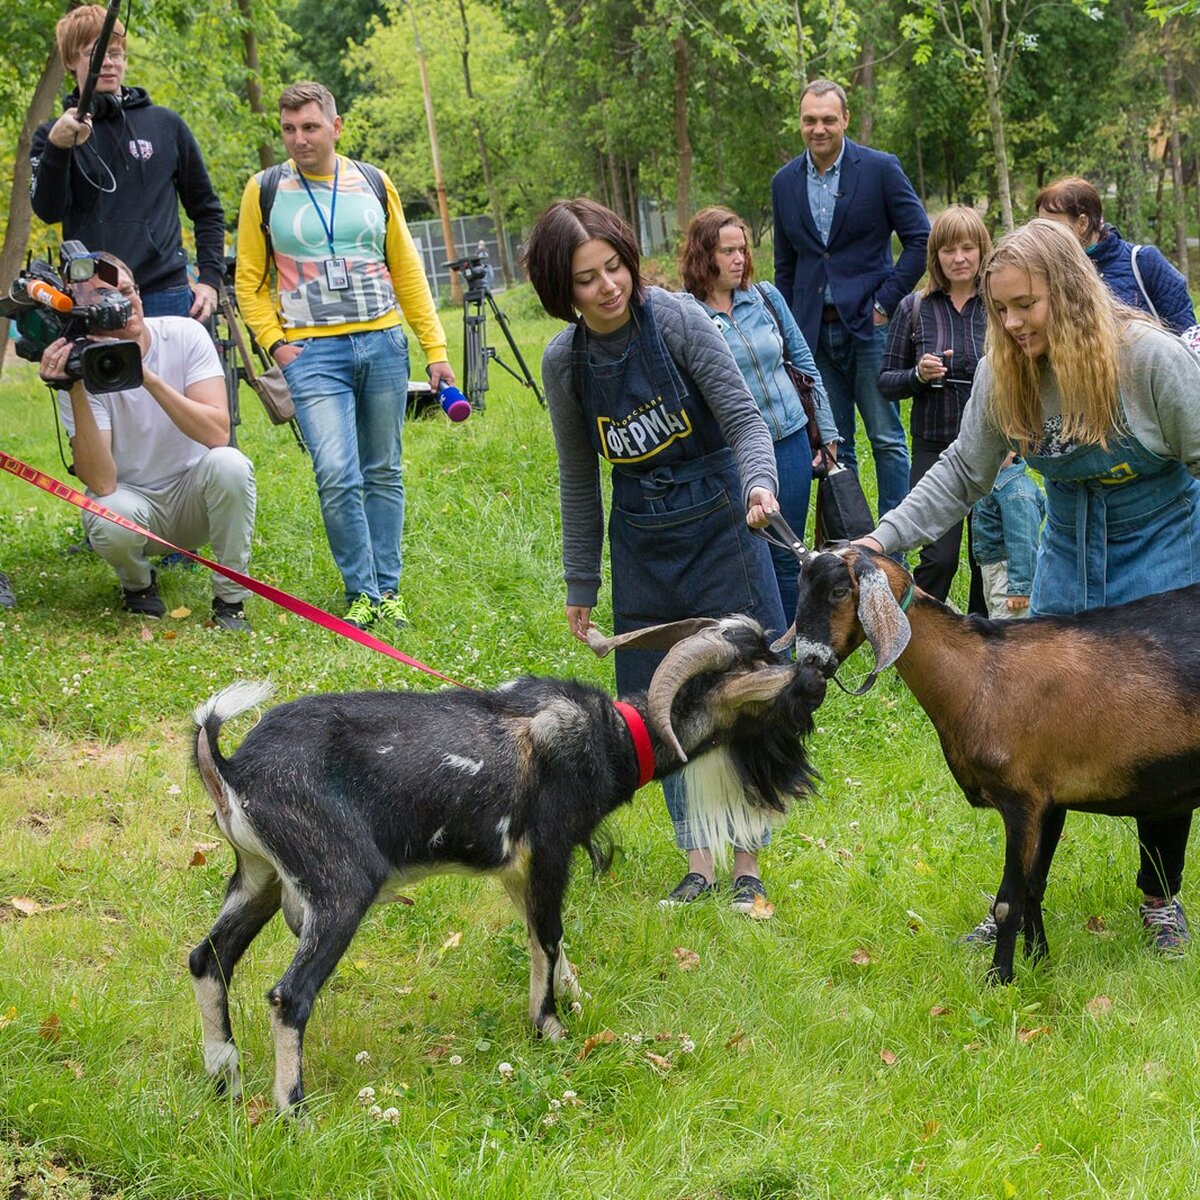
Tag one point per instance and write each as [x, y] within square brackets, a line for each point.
[362, 613]
[392, 610]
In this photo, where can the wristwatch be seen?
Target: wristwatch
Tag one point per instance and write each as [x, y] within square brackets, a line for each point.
[883, 312]
[275, 346]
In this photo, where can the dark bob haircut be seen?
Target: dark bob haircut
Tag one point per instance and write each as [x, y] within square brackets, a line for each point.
[697, 264]
[558, 233]
[1072, 197]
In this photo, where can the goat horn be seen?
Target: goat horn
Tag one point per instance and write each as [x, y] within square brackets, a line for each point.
[705, 651]
[652, 637]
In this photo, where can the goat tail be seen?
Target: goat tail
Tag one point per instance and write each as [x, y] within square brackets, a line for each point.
[600, 848]
[209, 718]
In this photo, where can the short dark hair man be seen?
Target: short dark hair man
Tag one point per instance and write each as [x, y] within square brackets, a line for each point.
[159, 454]
[342, 264]
[836, 207]
[117, 178]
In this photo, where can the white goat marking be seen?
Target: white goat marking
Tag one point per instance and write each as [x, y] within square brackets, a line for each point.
[717, 808]
[502, 827]
[818, 650]
[220, 1054]
[438, 835]
[469, 766]
[1000, 912]
[287, 1061]
[385, 749]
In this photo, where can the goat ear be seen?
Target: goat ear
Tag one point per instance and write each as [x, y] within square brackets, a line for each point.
[785, 640]
[883, 622]
[653, 637]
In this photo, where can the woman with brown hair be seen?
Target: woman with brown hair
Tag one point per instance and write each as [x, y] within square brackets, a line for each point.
[1102, 402]
[642, 380]
[759, 329]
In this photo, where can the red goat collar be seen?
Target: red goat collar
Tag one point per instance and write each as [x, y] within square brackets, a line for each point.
[641, 740]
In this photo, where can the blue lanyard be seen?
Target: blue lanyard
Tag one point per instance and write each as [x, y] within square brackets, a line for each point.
[337, 166]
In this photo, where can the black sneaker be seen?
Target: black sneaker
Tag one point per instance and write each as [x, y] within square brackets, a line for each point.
[145, 603]
[691, 887]
[746, 889]
[7, 599]
[1167, 926]
[227, 615]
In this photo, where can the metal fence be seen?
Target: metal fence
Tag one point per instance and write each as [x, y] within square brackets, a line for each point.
[469, 233]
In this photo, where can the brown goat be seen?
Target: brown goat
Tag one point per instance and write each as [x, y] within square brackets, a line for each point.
[1099, 711]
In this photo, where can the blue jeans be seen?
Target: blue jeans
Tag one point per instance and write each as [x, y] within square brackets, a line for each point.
[793, 464]
[350, 391]
[850, 370]
[173, 302]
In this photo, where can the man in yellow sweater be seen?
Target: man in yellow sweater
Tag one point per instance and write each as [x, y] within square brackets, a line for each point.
[343, 262]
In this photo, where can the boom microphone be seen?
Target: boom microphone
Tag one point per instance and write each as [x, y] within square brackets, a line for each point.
[41, 292]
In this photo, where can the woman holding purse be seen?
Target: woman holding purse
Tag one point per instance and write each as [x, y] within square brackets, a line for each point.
[757, 325]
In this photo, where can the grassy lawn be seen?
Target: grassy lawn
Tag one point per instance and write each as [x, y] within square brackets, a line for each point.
[846, 1048]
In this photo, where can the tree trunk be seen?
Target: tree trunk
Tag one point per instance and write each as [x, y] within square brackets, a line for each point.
[801, 58]
[991, 84]
[20, 213]
[862, 81]
[683, 146]
[1171, 80]
[266, 150]
[484, 160]
[921, 175]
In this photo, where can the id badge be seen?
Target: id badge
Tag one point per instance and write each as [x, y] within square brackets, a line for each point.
[335, 274]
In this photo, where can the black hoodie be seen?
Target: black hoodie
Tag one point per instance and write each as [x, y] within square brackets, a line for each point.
[120, 191]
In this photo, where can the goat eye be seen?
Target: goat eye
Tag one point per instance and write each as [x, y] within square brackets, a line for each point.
[839, 593]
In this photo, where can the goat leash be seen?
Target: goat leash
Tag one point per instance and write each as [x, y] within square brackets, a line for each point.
[641, 740]
[310, 612]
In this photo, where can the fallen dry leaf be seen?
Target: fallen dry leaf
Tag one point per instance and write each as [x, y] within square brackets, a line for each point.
[451, 942]
[146, 635]
[663, 1036]
[658, 1062]
[888, 1056]
[1096, 926]
[50, 1029]
[8, 1016]
[762, 909]
[179, 613]
[76, 1068]
[860, 958]
[938, 1011]
[257, 1108]
[198, 859]
[739, 1042]
[929, 1130]
[399, 899]
[604, 1038]
[1099, 1006]
[686, 960]
[170, 635]
[29, 907]
[1027, 1035]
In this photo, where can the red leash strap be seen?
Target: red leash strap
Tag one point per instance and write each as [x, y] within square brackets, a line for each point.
[641, 740]
[310, 612]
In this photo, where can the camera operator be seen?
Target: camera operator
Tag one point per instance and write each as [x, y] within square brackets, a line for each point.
[117, 177]
[159, 454]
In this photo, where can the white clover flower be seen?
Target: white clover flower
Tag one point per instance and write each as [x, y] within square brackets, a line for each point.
[506, 1070]
[569, 1097]
[392, 1116]
[549, 1119]
[366, 1096]
[363, 1056]
[374, 1112]
[456, 1060]
[576, 1007]
[686, 1045]
[555, 1105]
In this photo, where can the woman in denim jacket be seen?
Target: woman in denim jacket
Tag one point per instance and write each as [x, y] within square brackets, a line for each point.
[1005, 527]
[718, 269]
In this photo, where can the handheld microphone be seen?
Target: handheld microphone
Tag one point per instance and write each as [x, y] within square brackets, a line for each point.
[51, 297]
[454, 404]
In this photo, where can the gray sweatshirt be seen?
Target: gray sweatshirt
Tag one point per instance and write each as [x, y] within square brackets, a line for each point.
[1160, 392]
[696, 345]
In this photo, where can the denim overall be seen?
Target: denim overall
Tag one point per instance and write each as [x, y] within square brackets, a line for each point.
[678, 541]
[1121, 523]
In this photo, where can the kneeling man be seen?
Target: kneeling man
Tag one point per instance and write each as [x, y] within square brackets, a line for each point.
[159, 454]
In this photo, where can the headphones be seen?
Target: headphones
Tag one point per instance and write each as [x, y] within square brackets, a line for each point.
[106, 105]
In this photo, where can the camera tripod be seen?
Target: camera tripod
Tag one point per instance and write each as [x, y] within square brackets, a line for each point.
[476, 352]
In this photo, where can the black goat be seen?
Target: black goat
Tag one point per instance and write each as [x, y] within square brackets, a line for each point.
[1098, 712]
[330, 799]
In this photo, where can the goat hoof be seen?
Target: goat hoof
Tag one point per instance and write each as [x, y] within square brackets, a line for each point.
[552, 1029]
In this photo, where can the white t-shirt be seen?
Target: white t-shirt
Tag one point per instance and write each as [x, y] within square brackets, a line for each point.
[148, 447]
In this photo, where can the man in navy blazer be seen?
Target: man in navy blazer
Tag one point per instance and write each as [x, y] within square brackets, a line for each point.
[836, 207]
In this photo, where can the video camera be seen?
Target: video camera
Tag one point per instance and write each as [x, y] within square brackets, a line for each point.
[40, 301]
[475, 270]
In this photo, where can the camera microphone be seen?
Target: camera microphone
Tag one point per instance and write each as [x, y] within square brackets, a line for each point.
[454, 404]
[41, 292]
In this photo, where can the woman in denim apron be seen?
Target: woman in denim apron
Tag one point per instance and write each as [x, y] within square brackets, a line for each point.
[1106, 406]
[644, 382]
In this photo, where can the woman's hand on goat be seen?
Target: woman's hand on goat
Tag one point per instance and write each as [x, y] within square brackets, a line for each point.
[761, 504]
[579, 618]
[869, 542]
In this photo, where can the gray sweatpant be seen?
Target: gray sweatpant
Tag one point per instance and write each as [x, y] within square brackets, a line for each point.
[213, 503]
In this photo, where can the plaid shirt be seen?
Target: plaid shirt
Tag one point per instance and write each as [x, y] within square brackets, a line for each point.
[936, 412]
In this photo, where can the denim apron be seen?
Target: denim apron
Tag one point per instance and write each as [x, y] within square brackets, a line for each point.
[1121, 523]
[678, 541]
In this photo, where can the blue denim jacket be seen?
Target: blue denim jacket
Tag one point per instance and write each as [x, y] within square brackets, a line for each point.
[752, 335]
[1007, 523]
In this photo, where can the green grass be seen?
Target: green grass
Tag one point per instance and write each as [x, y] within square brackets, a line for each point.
[846, 1048]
